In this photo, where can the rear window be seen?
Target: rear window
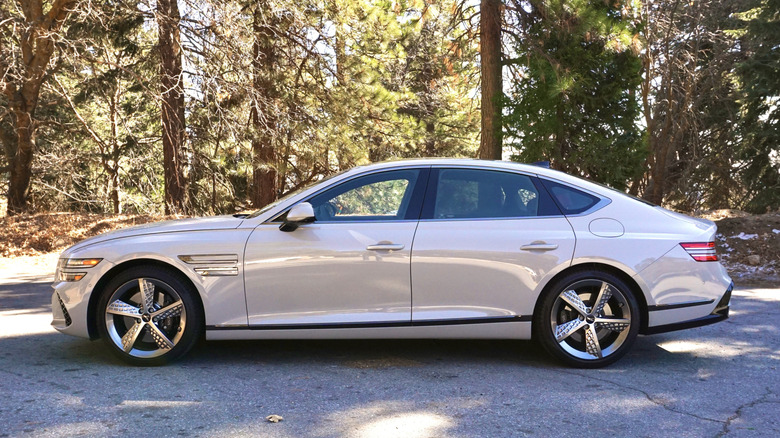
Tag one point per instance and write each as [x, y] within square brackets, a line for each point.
[569, 199]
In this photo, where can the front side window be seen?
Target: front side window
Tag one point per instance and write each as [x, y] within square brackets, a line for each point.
[381, 196]
[473, 193]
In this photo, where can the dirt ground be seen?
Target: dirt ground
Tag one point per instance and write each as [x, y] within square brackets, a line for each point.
[39, 234]
[749, 245]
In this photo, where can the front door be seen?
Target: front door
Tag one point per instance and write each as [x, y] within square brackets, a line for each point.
[349, 267]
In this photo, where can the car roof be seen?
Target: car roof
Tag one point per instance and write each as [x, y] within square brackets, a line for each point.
[493, 164]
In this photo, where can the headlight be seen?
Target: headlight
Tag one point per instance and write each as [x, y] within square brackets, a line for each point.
[62, 264]
[79, 263]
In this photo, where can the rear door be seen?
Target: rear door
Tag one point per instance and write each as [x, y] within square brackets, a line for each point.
[485, 240]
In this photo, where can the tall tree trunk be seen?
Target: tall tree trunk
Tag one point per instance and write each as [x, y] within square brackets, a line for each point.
[36, 46]
[430, 139]
[561, 149]
[490, 64]
[172, 114]
[263, 115]
[113, 168]
[21, 162]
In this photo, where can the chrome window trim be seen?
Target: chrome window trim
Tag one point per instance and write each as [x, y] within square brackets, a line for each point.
[378, 221]
[506, 218]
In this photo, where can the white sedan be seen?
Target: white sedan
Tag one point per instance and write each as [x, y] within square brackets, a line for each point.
[408, 249]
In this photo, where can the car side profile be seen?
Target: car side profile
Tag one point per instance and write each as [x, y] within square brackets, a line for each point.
[435, 248]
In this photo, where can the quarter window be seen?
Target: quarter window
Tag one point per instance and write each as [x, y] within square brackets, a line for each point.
[569, 199]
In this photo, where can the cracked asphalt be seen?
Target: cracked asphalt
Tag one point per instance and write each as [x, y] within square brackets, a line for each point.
[715, 381]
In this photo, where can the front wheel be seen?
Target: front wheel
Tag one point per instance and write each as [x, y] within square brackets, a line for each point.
[588, 319]
[148, 315]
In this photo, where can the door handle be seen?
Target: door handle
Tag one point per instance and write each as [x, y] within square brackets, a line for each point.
[539, 246]
[385, 246]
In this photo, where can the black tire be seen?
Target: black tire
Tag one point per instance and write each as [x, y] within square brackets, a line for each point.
[154, 331]
[568, 334]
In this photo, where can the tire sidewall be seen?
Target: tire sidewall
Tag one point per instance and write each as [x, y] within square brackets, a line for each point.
[543, 331]
[194, 315]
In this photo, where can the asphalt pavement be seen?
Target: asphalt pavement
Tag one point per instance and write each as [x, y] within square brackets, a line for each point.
[715, 381]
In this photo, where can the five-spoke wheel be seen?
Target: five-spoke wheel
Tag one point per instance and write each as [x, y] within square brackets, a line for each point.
[588, 319]
[148, 315]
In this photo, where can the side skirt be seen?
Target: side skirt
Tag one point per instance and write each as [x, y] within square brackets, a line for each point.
[482, 328]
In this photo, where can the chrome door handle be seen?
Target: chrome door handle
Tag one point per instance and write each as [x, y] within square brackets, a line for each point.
[382, 246]
[539, 246]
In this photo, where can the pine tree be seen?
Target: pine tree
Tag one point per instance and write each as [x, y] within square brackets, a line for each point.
[574, 98]
[760, 123]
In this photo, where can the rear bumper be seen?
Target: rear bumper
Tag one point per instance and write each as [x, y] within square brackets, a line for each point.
[720, 313]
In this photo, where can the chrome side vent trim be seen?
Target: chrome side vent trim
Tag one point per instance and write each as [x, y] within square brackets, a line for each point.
[212, 265]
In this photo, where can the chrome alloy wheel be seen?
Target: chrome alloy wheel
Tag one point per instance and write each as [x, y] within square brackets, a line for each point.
[145, 318]
[590, 319]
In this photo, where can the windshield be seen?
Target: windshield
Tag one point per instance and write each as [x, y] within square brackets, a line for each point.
[291, 194]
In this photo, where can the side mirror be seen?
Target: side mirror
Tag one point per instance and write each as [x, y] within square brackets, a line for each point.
[299, 214]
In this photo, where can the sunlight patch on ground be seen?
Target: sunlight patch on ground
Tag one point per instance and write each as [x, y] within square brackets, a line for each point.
[13, 324]
[714, 348]
[82, 428]
[627, 404]
[382, 419]
[407, 424]
[761, 294]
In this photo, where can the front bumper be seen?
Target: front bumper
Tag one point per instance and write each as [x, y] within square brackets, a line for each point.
[720, 313]
[70, 307]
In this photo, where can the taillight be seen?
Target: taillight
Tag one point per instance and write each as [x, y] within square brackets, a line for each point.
[701, 251]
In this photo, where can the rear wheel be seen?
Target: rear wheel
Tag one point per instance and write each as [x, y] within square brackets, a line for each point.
[588, 319]
[149, 315]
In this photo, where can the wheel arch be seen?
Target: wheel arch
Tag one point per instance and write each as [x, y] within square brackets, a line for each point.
[94, 296]
[594, 266]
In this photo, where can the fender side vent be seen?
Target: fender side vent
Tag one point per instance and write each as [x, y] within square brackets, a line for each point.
[212, 265]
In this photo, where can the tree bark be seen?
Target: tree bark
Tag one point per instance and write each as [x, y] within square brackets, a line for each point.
[113, 169]
[36, 43]
[430, 139]
[21, 161]
[492, 88]
[172, 114]
[264, 171]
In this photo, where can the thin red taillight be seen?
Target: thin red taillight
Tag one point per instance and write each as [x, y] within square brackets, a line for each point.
[701, 251]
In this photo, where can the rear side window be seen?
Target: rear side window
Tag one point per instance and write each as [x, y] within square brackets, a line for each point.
[569, 199]
[474, 193]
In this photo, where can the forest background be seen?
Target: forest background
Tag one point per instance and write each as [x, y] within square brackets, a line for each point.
[218, 106]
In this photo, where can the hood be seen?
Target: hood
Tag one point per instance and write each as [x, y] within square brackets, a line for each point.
[178, 225]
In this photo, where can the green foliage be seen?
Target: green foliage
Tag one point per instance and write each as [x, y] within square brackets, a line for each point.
[354, 81]
[760, 123]
[573, 100]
